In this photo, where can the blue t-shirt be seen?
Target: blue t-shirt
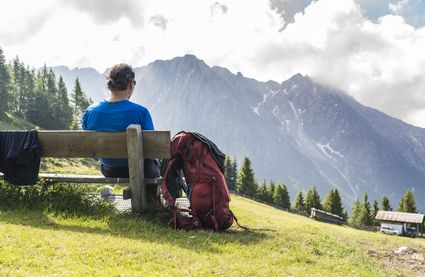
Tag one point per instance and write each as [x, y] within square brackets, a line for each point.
[113, 117]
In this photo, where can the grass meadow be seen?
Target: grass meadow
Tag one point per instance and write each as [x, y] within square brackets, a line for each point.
[60, 231]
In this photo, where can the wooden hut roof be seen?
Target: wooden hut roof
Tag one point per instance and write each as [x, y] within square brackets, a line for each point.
[399, 217]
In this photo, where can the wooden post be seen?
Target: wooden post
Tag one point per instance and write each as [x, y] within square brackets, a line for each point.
[136, 168]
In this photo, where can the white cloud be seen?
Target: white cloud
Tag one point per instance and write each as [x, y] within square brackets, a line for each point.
[398, 7]
[17, 29]
[380, 63]
[159, 21]
[107, 11]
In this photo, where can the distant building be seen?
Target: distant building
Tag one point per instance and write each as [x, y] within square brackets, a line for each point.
[326, 216]
[400, 221]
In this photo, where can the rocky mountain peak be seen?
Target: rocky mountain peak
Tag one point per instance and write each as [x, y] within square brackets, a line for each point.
[298, 132]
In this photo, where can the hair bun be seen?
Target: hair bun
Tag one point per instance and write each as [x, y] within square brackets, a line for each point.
[119, 76]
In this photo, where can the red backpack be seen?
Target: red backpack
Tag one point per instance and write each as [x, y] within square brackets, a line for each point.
[202, 164]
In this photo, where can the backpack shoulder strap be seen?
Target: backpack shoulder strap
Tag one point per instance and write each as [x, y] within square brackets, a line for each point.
[170, 185]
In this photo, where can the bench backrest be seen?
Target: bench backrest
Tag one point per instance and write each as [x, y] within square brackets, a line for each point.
[133, 144]
[90, 144]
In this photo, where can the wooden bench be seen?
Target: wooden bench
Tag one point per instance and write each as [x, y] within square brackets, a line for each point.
[133, 144]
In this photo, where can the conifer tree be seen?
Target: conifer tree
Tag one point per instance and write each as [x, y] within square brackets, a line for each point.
[29, 76]
[227, 170]
[365, 218]
[247, 184]
[80, 100]
[5, 87]
[51, 88]
[33, 96]
[281, 197]
[40, 110]
[64, 110]
[230, 173]
[270, 192]
[375, 209]
[262, 191]
[234, 174]
[18, 85]
[299, 204]
[312, 199]
[333, 203]
[80, 103]
[355, 216]
[53, 99]
[407, 203]
[385, 204]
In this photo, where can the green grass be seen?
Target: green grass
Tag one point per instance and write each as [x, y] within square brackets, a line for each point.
[48, 241]
[12, 122]
[59, 230]
[80, 166]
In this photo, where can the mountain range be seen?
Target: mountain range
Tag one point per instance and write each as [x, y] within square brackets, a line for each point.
[298, 132]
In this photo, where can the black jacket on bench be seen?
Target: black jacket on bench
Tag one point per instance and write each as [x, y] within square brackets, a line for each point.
[20, 155]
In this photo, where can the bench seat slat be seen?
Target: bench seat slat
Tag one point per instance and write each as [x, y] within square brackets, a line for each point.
[89, 179]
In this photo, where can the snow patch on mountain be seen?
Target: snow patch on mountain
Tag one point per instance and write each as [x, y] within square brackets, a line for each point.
[269, 94]
[329, 151]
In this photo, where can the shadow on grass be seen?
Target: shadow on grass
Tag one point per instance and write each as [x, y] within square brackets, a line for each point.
[148, 228]
[151, 226]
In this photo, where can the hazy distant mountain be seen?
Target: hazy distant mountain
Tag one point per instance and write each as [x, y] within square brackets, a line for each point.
[92, 82]
[298, 132]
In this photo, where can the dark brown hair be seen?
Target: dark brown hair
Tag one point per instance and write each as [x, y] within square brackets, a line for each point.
[119, 76]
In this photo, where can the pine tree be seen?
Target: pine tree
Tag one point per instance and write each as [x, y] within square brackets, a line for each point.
[51, 88]
[36, 97]
[407, 203]
[312, 199]
[375, 209]
[234, 174]
[40, 110]
[333, 203]
[281, 197]
[18, 85]
[262, 191]
[270, 192]
[79, 98]
[355, 216]
[63, 109]
[80, 103]
[401, 207]
[230, 173]
[247, 184]
[29, 88]
[52, 97]
[299, 204]
[385, 204]
[5, 87]
[365, 218]
[227, 170]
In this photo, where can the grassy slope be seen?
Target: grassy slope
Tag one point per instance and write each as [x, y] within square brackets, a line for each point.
[41, 243]
[12, 122]
[37, 243]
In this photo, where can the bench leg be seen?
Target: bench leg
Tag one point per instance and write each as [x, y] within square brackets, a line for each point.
[136, 168]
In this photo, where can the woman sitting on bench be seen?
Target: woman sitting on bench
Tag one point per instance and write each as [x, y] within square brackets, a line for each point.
[116, 113]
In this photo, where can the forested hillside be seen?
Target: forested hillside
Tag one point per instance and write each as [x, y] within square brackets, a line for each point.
[39, 97]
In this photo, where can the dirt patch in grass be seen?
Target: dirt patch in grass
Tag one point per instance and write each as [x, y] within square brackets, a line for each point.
[404, 258]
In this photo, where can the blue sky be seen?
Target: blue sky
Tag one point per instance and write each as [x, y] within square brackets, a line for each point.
[413, 11]
[371, 49]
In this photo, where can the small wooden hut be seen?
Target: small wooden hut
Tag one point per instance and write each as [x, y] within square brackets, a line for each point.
[401, 220]
[326, 216]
